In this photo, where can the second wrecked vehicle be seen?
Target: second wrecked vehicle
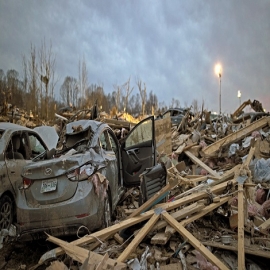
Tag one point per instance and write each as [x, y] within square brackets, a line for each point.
[76, 189]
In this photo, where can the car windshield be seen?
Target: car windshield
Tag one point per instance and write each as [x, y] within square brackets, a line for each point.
[1, 133]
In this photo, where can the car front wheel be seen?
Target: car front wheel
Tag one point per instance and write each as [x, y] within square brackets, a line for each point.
[6, 212]
[107, 215]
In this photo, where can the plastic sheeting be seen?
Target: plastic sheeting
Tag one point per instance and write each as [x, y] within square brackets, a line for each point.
[262, 171]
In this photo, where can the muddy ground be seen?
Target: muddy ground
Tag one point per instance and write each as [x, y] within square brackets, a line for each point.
[24, 255]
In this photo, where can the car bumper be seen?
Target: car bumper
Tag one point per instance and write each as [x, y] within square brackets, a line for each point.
[83, 209]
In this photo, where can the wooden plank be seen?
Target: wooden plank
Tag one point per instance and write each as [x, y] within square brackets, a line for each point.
[160, 238]
[241, 236]
[206, 210]
[80, 254]
[238, 135]
[180, 214]
[134, 220]
[241, 213]
[264, 226]
[248, 249]
[103, 262]
[102, 234]
[139, 237]
[201, 164]
[193, 241]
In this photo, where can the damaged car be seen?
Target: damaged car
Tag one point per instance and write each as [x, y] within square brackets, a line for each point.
[18, 146]
[76, 189]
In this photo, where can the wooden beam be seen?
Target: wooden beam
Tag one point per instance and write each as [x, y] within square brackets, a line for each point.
[194, 242]
[102, 234]
[253, 250]
[134, 220]
[180, 214]
[205, 211]
[139, 237]
[80, 254]
[241, 235]
[201, 164]
[264, 226]
[238, 135]
[241, 212]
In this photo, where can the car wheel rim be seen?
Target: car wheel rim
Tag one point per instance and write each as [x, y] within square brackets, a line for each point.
[6, 215]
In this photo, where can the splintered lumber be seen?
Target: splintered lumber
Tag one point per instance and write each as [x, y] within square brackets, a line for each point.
[241, 235]
[103, 262]
[241, 212]
[139, 237]
[205, 211]
[248, 249]
[202, 212]
[102, 234]
[238, 135]
[107, 232]
[180, 214]
[160, 238]
[81, 255]
[201, 164]
[264, 226]
[193, 241]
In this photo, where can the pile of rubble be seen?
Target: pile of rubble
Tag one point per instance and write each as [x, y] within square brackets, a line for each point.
[212, 212]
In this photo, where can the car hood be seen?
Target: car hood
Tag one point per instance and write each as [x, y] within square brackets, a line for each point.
[61, 165]
[48, 135]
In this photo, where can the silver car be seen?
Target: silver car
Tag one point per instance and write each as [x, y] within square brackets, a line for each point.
[18, 146]
[76, 190]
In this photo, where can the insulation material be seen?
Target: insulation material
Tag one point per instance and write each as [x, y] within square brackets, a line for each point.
[260, 196]
[262, 171]
[100, 184]
[265, 209]
[203, 264]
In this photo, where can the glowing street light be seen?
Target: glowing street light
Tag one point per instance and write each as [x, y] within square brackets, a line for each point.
[218, 70]
[239, 96]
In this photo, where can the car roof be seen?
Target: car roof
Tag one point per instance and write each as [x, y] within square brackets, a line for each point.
[12, 127]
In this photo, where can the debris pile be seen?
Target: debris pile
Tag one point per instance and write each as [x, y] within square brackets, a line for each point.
[205, 205]
[212, 212]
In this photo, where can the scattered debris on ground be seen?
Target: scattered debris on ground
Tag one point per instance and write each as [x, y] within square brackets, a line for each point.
[212, 211]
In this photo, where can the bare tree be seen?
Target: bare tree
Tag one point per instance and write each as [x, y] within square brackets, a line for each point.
[128, 90]
[117, 97]
[143, 94]
[31, 81]
[47, 66]
[83, 81]
[195, 105]
[69, 91]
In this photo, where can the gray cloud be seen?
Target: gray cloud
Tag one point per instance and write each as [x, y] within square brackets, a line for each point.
[172, 46]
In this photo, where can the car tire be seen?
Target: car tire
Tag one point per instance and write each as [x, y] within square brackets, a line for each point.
[107, 213]
[6, 212]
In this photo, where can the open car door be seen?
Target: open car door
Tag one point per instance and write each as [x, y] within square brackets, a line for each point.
[138, 151]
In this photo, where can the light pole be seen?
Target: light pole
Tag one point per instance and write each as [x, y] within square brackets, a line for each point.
[218, 70]
[239, 96]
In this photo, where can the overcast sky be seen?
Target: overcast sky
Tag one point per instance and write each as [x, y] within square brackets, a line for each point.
[171, 45]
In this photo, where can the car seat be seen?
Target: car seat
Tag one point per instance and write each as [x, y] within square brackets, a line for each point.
[14, 153]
